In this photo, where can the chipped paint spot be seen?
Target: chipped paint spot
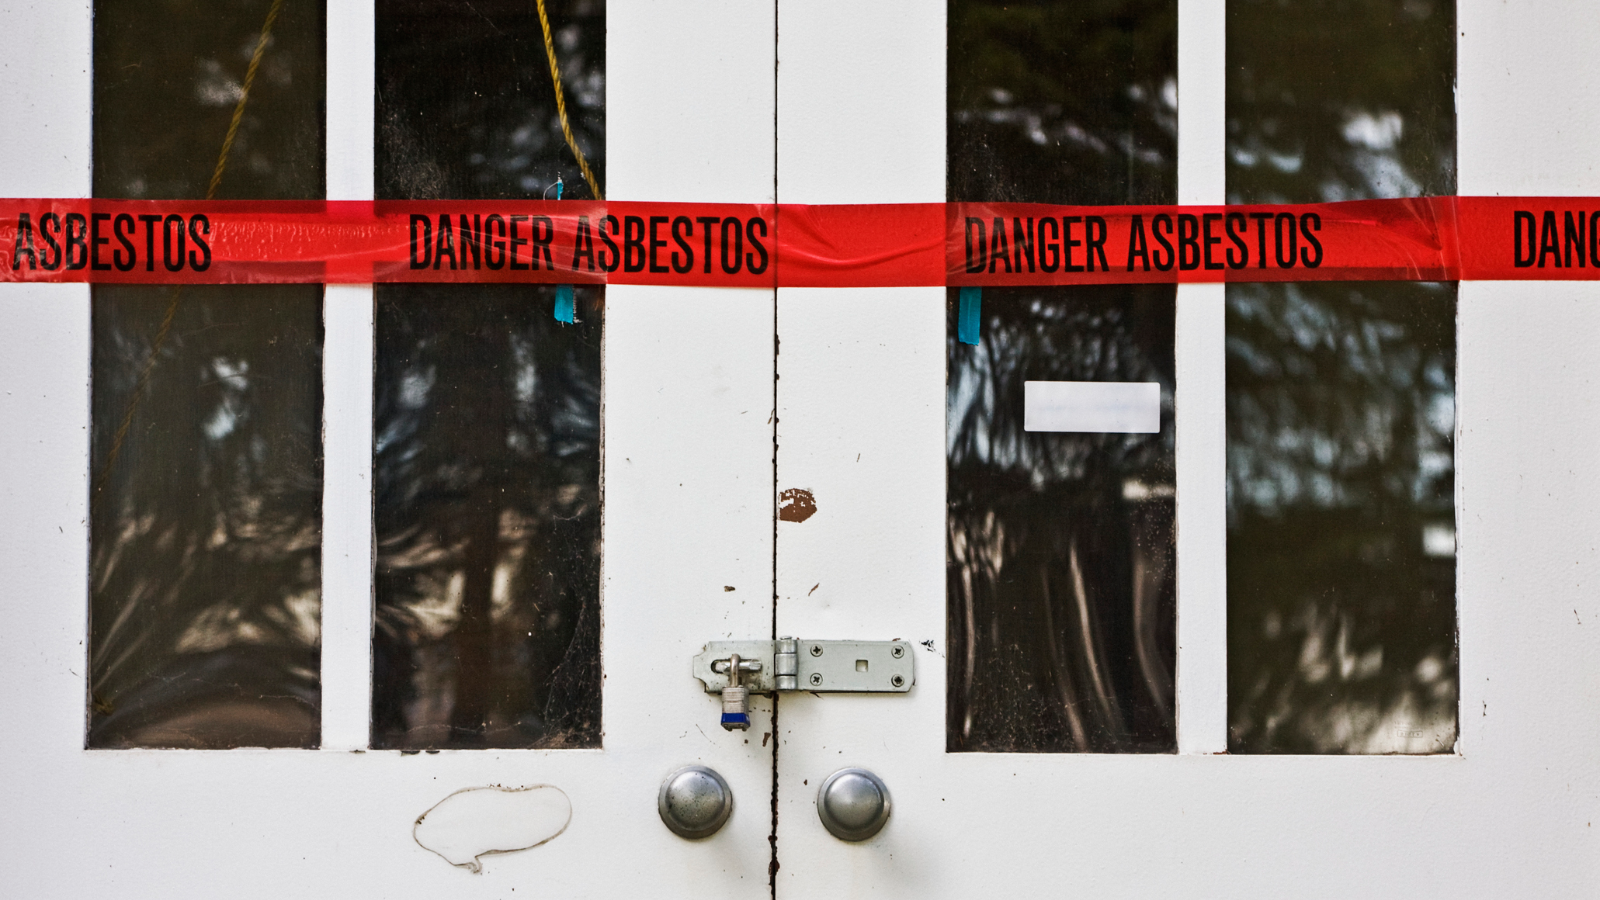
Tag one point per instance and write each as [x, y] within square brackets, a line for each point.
[796, 505]
[475, 822]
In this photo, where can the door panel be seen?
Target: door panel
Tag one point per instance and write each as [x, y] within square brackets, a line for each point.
[861, 395]
[687, 537]
[1511, 807]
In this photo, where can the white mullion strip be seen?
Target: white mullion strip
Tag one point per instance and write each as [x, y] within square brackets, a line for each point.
[1202, 680]
[352, 80]
[346, 516]
[347, 396]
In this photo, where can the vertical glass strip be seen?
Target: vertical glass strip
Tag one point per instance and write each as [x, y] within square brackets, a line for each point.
[206, 453]
[1060, 555]
[1341, 396]
[486, 408]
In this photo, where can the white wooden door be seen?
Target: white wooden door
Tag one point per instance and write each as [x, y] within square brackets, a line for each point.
[690, 511]
[687, 532]
[861, 398]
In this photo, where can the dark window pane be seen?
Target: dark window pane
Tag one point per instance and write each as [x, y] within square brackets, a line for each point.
[1060, 545]
[206, 455]
[1341, 397]
[1063, 101]
[487, 410]
[466, 105]
[1061, 612]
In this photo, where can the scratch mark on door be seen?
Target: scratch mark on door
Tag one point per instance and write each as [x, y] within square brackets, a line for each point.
[475, 822]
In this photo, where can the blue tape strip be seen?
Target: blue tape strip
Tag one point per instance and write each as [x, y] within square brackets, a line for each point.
[969, 315]
[564, 304]
[565, 307]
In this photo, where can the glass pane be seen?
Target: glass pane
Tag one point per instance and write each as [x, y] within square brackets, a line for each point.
[206, 452]
[1062, 101]
[1341, 397]
[1060, 547]
[466, 105]
[1061, 615]
[487, 409]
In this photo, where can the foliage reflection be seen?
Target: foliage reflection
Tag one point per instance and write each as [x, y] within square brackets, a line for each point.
[1059, 554]
[206, 455]
[1341, 397]
[486, 409]
[1061, 563]
[487, 464]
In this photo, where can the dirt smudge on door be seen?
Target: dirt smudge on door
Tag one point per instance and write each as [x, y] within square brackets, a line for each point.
[796, 505]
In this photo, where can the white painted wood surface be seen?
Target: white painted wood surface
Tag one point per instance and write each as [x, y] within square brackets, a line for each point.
[1199, 403]
[688, 470]
[347, 362]
[861, 398]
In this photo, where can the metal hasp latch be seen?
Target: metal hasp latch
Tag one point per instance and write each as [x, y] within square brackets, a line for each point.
[737, 669]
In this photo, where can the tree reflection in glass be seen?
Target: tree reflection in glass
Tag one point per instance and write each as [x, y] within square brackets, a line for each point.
[206, 448]
[487, 465]
[486, 409]
[1341, 397]
[1060, 546]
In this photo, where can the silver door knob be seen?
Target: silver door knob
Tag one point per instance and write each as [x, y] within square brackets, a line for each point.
[694, 802]
[853, 804]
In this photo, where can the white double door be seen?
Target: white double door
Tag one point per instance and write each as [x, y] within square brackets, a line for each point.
[717, 400]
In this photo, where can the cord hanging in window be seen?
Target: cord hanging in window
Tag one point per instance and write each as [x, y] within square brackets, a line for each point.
[561, 106]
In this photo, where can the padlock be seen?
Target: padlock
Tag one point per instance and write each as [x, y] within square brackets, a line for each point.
[735, 699]
[736, 708]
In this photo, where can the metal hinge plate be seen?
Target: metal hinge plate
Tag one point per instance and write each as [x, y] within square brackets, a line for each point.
[790, 664]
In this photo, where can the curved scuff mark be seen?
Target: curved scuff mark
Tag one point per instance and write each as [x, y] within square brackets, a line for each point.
[475, 822]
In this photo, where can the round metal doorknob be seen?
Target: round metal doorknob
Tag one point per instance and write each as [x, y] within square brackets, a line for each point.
[853, 804]
[694, 802]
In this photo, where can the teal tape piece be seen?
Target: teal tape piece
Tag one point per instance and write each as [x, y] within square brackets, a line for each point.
[564, 304]
[969, 315]
[565, 308]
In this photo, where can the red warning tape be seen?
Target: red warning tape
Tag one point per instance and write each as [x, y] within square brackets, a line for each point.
[752, 245]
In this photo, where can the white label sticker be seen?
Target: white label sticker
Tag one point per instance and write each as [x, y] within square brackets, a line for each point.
[1101, 406]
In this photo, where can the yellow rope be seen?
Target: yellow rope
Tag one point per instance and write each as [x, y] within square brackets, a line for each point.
[561, 105]
[177, 293]
[244, 95]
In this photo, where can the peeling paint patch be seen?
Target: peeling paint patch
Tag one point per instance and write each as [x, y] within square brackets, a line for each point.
[475, 822]
[796, 505]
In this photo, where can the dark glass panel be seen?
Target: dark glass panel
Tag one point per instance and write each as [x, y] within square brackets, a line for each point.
[466, 105]
[1061, 616]
[206, 460]
[487, 409]
[1341, 528]
[1060, 546]
[1052, 101]
[168, 76]
[487, 462]
[1340, 100]
[1341, 397]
